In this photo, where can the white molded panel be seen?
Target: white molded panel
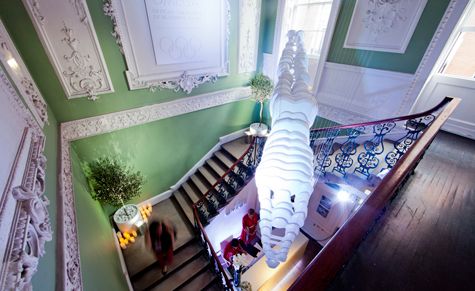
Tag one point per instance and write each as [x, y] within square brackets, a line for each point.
[249, 23]
[66, 30]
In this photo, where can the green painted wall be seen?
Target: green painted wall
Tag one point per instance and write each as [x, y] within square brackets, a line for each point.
[44, 279]
[405, 63]
[100, 265]
[165, 150]
[19, 25]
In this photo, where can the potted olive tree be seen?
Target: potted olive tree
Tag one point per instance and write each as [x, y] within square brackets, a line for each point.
[261, 87]
[113, 183]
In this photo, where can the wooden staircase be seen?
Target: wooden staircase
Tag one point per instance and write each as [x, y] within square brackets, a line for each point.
[191, 269]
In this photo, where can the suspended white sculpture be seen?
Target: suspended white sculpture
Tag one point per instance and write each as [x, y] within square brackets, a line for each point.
[284, 176]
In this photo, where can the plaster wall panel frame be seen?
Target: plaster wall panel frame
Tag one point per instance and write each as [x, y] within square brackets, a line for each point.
[67, 33]
[385, 26]
[141, 44]
[249, 25]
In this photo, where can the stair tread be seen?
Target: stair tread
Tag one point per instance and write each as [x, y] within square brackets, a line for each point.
[191, 192]
[185, 204]
[236, 147]
[208, 175]
[200, 282]
[184, 274]
[224, 159]
[137, 256]
[154, 274]
[201, 186]
[217, 168]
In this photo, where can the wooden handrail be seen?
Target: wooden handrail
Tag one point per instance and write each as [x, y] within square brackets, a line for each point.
[442, 103]
[339, 249]
[213, 253]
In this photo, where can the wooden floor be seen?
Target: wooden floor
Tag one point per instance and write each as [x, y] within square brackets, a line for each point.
[426, 238]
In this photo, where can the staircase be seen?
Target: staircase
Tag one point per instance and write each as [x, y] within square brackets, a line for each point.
[191, 268]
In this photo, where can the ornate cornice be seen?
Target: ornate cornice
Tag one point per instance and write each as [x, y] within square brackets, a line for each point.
[82, 128]
[428, 60]
[21, 77]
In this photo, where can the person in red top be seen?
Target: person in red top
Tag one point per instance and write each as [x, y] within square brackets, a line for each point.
[232, 248]
[249, 228]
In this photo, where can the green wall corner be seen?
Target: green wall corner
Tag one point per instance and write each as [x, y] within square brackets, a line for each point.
[100, 265]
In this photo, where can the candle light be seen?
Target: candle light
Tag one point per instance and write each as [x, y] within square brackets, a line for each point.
[134, 233]
[119, 235]
[132, 239]
[123, 246]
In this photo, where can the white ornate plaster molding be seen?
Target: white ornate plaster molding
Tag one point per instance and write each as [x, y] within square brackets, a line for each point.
[68, 36]
[16, 68]
[449, 20]
[249, 20]
[68, 245]
[142, 69]
[383, 25]
[31, 226]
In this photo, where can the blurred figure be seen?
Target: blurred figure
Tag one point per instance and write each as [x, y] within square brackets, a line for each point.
[232, 248]
[250, 222]
[160, 238]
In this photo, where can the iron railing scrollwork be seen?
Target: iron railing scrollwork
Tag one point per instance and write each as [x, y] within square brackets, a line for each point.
[222, 191]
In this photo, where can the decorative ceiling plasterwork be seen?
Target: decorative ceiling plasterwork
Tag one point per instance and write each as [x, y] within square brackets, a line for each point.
[31, 226]
[146, 74]
[249, 20]
[21, 77]
[67, 229]
[68, 36]
[383, 25]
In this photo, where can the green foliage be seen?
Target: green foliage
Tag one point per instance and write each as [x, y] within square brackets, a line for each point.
[112, 182]
[261, 87]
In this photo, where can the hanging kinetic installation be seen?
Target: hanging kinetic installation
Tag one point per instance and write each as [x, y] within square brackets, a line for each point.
[284, 177]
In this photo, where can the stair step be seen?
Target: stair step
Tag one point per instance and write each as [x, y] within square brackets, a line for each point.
[154, 276]
[138, 257]
[199, 282]
[218, 167]
[199, 184]
[207, 181]
[225, 159]
[209, 174]
[214, 285]
[185, 204]
[236, 148]
[192, 193]
[187, 273]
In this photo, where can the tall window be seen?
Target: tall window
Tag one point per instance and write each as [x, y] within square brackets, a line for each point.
[460, 62]
[316, 18]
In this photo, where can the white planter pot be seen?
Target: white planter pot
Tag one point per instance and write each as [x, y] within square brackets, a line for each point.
[128, 218]
[258, 129]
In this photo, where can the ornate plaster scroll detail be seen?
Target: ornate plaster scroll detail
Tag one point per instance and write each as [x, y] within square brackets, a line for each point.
[81, 74]
[108, 9]
[78, 129]
[22, 78]
[72, 48]
[80, 10]
[382, 16]
[35, 5]
[249, 20]
[31, 225]
[185, 82]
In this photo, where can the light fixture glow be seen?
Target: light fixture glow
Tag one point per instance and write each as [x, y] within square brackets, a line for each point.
[367, 191]
[343, 196]
[13, 64]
